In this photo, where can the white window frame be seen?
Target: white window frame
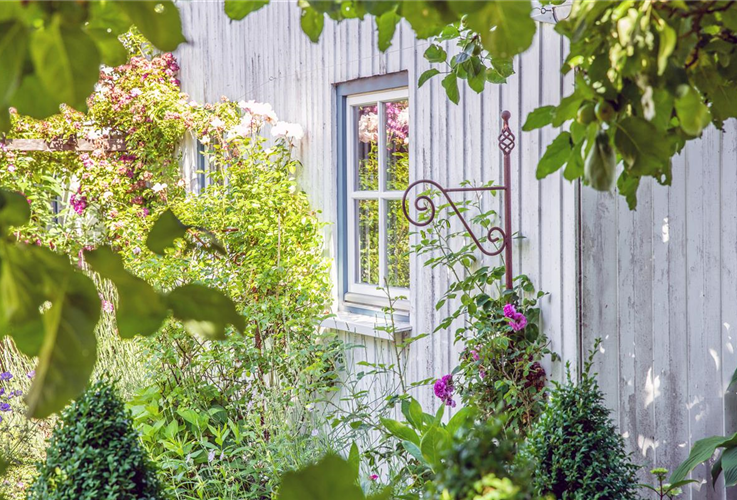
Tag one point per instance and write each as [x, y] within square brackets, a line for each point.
[353, 102]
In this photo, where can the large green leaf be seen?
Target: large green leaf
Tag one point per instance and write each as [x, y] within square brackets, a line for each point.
[13, 45]
[702, 451]
[599, 170]
[312, 23]
[450, 84]
[69, 349]
[330, 479]
[105, 24]
[166, 230]
[426, 18]
[505, 27]
[66, 61]
[401, 430]
[538, 118]
[644, 149]
[238, 9]
[158, 21]
[555, 155]
[22, 293]
[141, 310]
[412, 411]
[386, 25]
[729, 466]
[14, 210]
[692, 113]
[204, 311]
[460, 419]
[435, 441]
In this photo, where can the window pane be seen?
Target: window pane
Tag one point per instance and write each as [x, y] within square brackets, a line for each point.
[397, 145]
[368, 149]
[368, 241]
[397, 245]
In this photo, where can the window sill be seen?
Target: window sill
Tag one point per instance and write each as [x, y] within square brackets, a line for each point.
[376, 302]
[366, 325]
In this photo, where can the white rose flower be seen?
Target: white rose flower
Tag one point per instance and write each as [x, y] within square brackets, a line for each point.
[291, 131]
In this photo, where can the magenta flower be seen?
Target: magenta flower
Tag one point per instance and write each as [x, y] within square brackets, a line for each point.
[373, 477]
[78, 203]
[474, 354]
[517, 320]
[107, 306]
[444, 390]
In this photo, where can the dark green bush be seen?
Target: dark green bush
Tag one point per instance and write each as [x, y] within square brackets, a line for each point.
[94, 453]
[579, 453]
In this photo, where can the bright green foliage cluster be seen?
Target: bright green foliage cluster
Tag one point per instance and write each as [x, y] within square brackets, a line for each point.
[95, 453]
[51, 53]
[481, 462]
[578, 451]
[650, 76]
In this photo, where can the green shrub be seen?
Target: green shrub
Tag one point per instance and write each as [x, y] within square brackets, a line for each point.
[483, 459]
[579, 453]
[95, 453]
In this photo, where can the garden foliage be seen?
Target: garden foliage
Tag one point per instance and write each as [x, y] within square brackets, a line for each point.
[578, 451]
[95, 453]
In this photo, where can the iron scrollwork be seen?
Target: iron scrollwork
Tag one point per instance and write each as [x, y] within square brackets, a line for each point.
[501, 237]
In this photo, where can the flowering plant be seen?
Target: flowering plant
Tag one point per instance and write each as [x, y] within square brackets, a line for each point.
[499, 369]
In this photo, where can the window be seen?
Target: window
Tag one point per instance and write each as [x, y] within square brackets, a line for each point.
[377, 135]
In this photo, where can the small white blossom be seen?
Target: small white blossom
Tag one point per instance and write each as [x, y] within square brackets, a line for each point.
[217, 122]
[211, 456]
[260, 110]
[205, 139]
[158, 187]
[315, 433]
[136, 92]
[292, 131]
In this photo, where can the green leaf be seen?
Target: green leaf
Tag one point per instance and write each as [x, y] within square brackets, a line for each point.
[312, 23]
[641, 146]
[732, 380]
[667, 42]
[567, 109]
[401, 430]
[141, 310]
[729, 466]
[14, 210]
[601, 164]
[692, 113]
[435, 54]
[13, 45]
[539, 118]
[69, 349]
[574, 165]
[31, 99]
[67, 63]
[627, 186]
[702, 451]
[460, 419]
[167, 229]
[435, 442]
[513, 28]
[425, 18]
[106, 23]
[158, 21]
[426, 76]
[331, 478]
[204, 311]
[354, 458]
[386, 25]
[238, 9]
[412, 411]
[555, 156]
[414, 450]
[450, 84]
[22, 293]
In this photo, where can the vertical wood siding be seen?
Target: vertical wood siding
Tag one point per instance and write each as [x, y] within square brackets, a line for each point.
[660, 289]
[266, 57]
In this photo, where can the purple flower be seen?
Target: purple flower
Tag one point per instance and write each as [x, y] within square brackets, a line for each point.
[4, 407]
[444, 390]
[78, 203]
[6, 376]
[474, 354]
[373, 477]
[2, 391]
[18, 393]
[517, 320]
[31, 374]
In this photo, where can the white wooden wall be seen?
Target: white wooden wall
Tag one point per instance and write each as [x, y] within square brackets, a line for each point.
[266, 57]
[660, 287]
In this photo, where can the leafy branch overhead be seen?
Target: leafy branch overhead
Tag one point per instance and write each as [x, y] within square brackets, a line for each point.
[650, 76]
[51, 309]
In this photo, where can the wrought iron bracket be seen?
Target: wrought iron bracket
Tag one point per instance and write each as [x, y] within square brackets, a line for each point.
[494, 235]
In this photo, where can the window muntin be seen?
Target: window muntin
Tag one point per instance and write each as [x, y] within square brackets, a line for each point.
[377, 175]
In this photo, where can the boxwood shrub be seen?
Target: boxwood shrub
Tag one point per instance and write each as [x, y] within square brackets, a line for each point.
[94, 453]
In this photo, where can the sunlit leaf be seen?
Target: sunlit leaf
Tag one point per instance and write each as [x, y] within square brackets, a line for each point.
[312, 23]
[238, 9]
[386, 25]
[158, 21]
[166, 230]
[204, 311]
[140, 310]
